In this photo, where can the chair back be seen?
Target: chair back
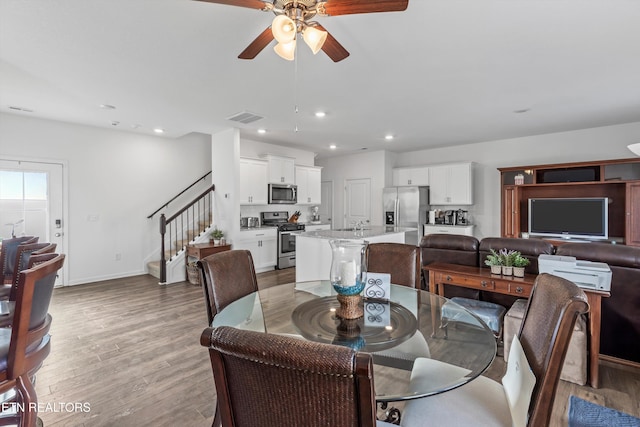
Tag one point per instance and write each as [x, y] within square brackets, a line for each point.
[274, 380]
[548, 322]
[400, 260]
[8, 255]
[225, 277]
[23, 252]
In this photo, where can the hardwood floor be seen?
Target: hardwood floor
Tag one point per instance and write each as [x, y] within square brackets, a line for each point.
[129, 349]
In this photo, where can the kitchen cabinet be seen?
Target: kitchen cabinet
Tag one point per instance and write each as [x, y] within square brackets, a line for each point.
[465, 230]
[308, 181]
[263, 245]
[411, 176]
[451, 184]
[253, 182]
[281, 169]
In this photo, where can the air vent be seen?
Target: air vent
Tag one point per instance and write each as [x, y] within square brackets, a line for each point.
[245, 117]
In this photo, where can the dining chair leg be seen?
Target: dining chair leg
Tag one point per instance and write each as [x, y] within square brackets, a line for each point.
[217, 422]
[28, 397]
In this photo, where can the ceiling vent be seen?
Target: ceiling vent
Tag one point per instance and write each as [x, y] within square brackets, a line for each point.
[245, 117]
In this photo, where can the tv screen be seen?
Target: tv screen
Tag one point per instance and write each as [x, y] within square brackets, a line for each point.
[569, 217]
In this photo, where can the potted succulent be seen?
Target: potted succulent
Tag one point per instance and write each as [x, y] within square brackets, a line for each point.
[508, 257]
[519, 263]
[216, 235]
[494, 261]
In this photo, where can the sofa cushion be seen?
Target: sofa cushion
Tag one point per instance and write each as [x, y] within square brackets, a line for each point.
[620, 325]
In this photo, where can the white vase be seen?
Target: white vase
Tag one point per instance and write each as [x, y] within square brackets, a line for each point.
[507, 271]
[496, 269]
[518, 271]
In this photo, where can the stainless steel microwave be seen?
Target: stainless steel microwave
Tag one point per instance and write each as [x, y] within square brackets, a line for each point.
[284, 194]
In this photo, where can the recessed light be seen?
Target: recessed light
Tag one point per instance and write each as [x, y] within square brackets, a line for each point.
[320, 114]
[262, 131]
[158, 130]
[333, 146]
[107, 106]
[522, 110]
[388, 137]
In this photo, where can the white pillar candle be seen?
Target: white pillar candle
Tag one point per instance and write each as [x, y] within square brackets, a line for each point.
[348, 273]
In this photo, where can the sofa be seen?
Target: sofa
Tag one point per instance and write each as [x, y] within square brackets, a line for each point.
[620, 333]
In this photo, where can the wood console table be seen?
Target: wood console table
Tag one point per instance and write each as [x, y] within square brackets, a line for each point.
[202, 250]
[482, 279]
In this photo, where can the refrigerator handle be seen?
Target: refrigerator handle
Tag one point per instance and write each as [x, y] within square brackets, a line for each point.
[397, 213]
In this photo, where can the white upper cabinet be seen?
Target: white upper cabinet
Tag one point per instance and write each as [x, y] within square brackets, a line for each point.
[451, 184]
[253, 182]
[411, 176]
[281, 169]
[308, 180]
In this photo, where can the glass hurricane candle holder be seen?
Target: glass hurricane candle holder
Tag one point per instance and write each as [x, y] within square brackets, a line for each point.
[348, 275]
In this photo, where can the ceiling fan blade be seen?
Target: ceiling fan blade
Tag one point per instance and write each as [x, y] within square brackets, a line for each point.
[256, 46]
[349, 7]
[332, 47]
[252, 4]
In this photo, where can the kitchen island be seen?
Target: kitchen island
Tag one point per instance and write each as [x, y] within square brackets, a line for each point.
[313, 252]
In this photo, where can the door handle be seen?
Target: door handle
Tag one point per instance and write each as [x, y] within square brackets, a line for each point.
[58, 234]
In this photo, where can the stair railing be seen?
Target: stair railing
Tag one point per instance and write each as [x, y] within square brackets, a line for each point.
[183, 226]
[179, 194]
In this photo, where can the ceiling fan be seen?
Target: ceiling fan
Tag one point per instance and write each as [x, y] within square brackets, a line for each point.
[294, 17]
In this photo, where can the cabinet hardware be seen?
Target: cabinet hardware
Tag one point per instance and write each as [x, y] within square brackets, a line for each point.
[519, 289]
[484, 283]
[449, 278]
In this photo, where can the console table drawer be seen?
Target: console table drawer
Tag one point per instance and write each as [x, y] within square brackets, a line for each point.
[467, 281]
[520, 289]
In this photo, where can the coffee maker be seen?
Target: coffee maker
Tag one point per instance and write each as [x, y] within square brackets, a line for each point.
[461, 217]
[450, 217]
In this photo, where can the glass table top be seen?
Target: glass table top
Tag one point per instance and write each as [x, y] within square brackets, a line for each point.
[403, 334]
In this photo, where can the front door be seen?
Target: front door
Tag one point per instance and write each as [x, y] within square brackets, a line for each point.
[357, 201]
[31, 202]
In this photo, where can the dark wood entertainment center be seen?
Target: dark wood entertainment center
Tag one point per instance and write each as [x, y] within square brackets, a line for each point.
[619, 180]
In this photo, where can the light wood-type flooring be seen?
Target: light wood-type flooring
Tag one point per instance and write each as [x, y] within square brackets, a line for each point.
[126, 352]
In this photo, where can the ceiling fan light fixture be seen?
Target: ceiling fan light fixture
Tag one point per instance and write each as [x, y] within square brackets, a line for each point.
[283, 29]
[635, 148]
[286, 50]
[314, 38]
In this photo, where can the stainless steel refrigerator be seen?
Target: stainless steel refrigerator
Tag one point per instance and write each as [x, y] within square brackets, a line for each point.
[406, 207]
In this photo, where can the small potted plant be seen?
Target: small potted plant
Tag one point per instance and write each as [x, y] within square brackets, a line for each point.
[216, 235]
[519, 263]
[508, 257]
[494, 261]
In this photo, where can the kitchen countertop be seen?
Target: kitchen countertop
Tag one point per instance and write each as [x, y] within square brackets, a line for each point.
[448, 225]
[371, 231]
[257, 228]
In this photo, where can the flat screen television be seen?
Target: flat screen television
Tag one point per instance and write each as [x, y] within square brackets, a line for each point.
[569, 218]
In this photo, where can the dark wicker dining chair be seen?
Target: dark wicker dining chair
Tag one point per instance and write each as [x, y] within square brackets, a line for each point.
[551, 313]
[8, 255]
[25, 345]
[225, 277]
[274, 381]
[400, 260]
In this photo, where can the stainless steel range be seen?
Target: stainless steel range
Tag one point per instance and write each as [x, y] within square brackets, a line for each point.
[287, 232]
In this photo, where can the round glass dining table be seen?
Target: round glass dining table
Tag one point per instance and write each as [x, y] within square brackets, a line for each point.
[399, 333]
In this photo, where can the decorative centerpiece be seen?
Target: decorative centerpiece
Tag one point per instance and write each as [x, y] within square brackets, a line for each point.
[348, 275]
[508, 257]
[494, 261]
[216, 236]
[519, 263]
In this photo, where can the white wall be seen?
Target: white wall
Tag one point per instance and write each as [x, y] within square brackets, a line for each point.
[371, 165]
[121, 177]
[609, 142]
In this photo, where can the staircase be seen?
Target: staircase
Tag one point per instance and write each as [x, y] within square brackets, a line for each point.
[176, 256]
[190, 224]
